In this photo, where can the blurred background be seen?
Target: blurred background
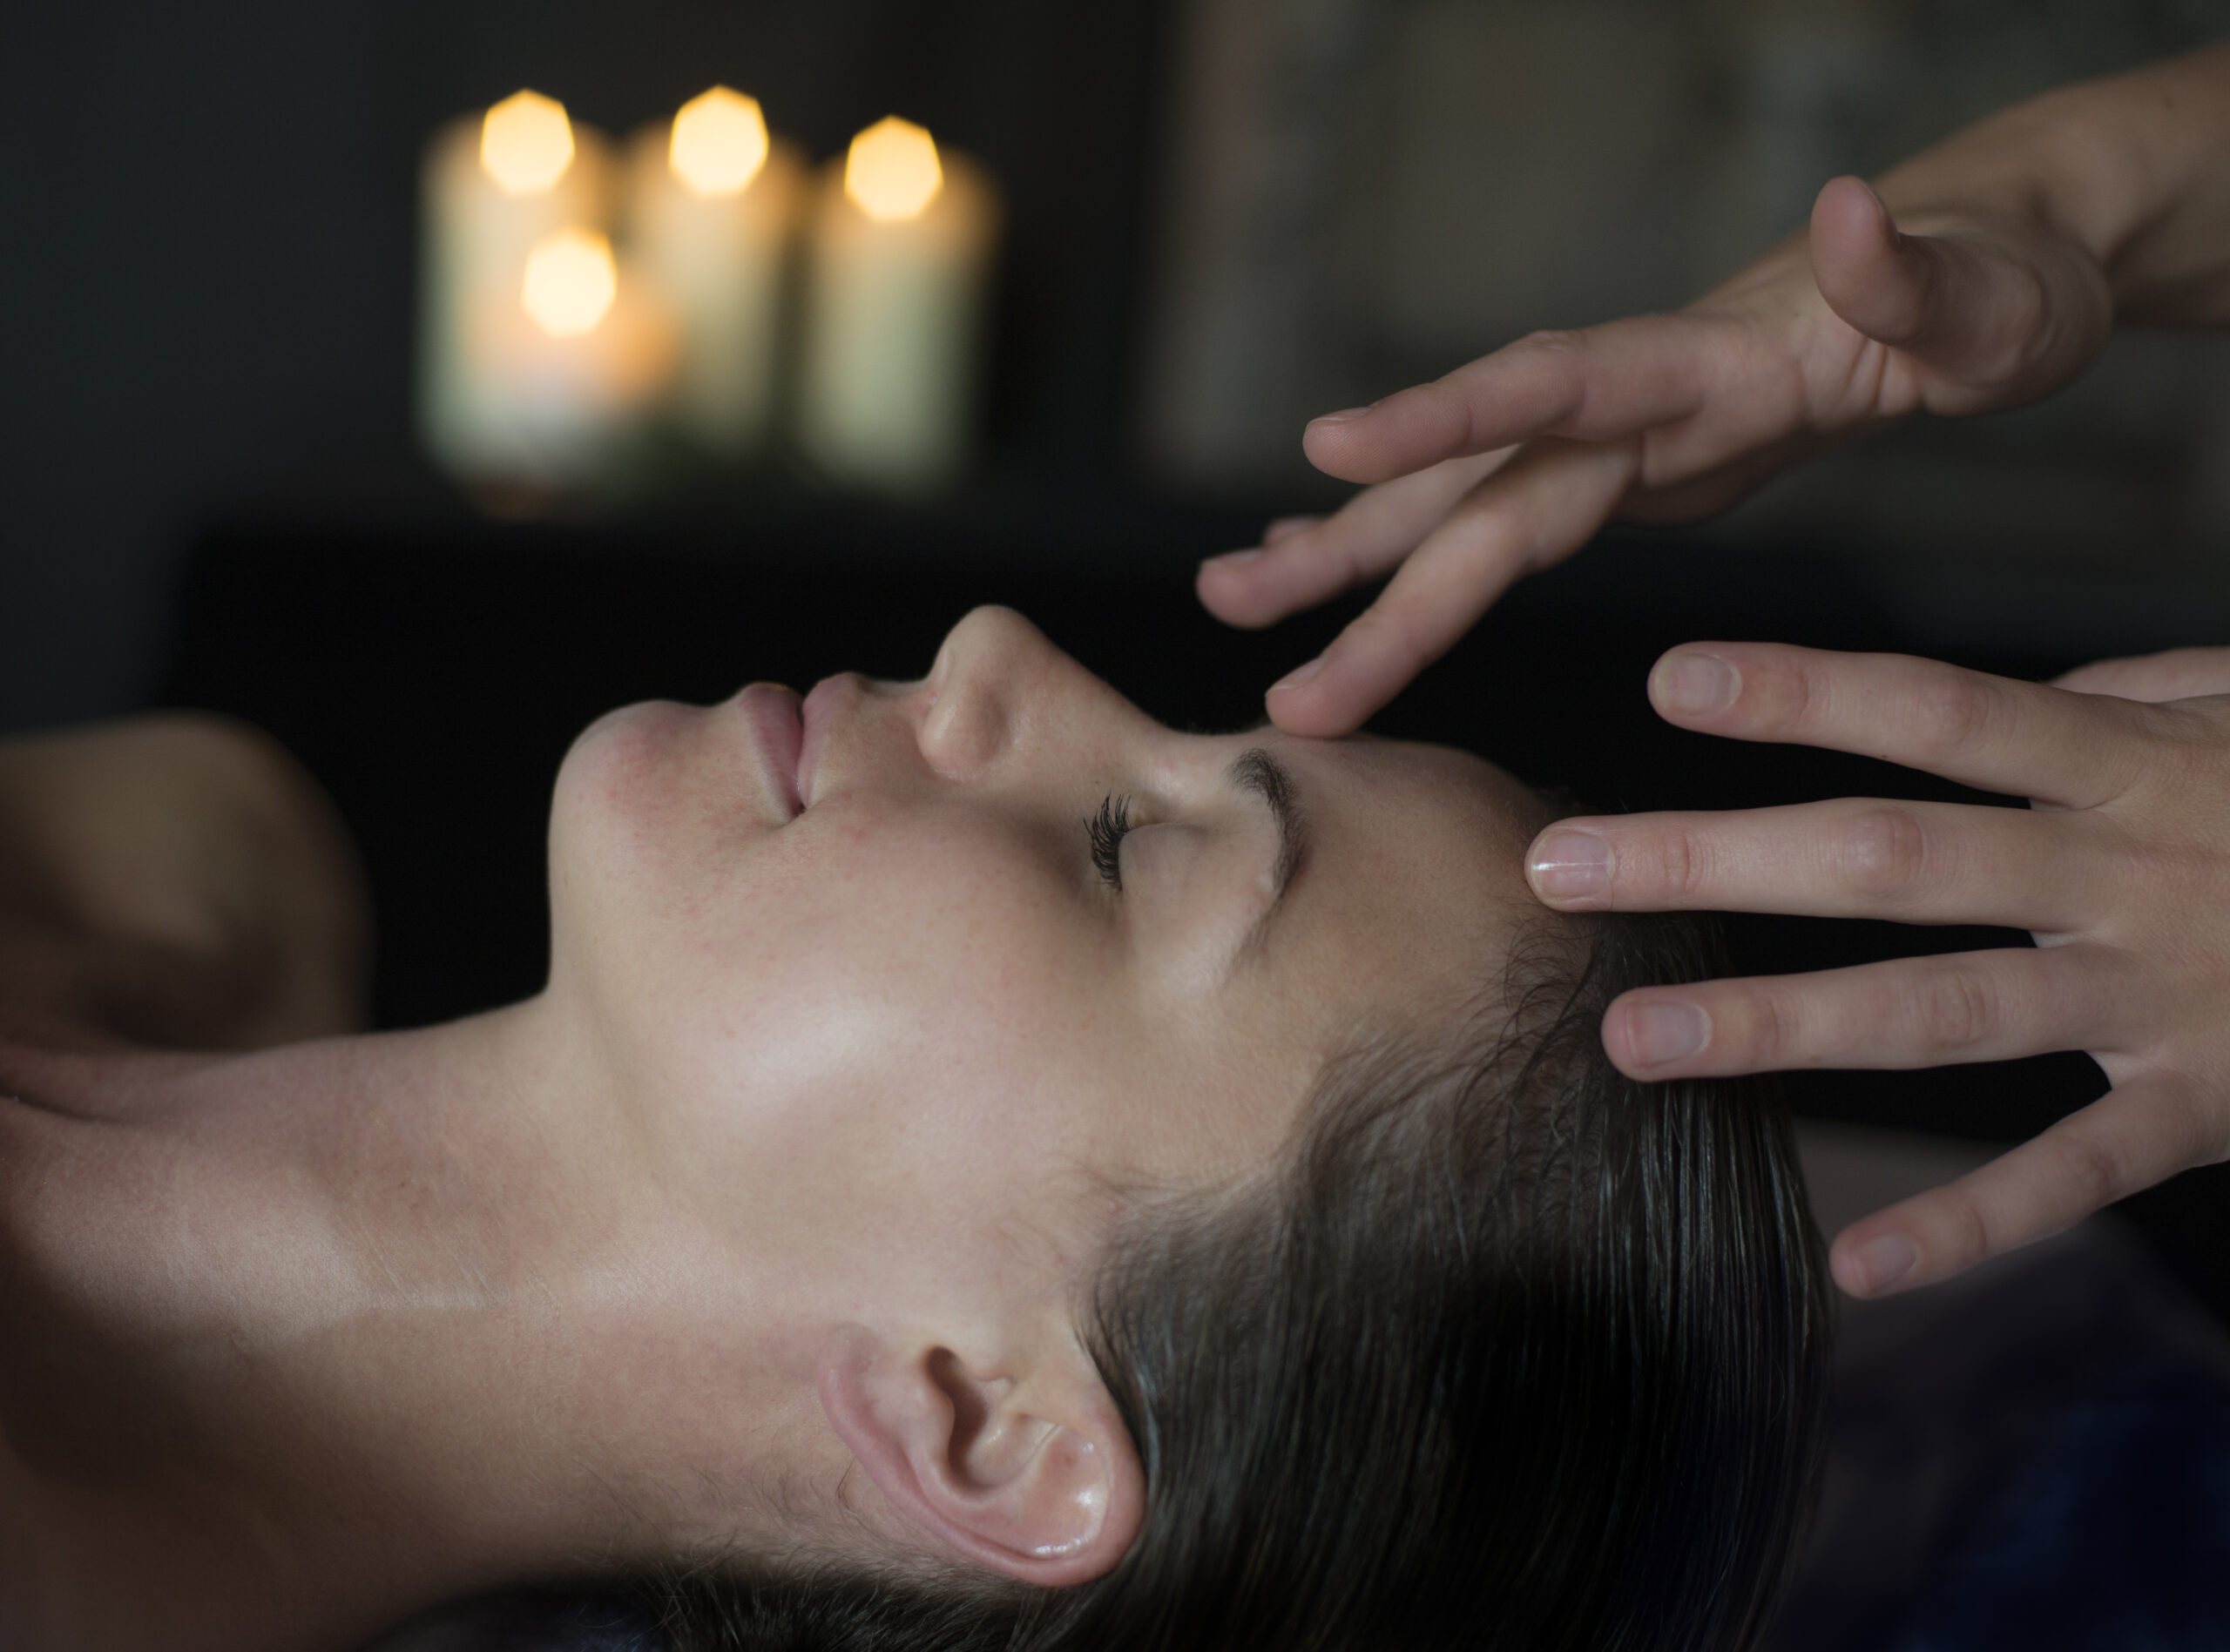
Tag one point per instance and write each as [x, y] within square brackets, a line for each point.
[1221, 217]
[1224, 216]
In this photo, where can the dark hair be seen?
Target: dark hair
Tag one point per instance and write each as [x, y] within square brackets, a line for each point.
[1512, 1351]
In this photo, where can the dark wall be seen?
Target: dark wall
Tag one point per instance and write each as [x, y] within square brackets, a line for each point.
[194, 264]
[207, 263]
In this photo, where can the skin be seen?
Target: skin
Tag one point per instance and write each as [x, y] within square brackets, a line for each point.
[2120, 870]
[764, 1226]
[1983, 273]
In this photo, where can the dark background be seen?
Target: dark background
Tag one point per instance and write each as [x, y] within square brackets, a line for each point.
[209, 232]
[209, 494]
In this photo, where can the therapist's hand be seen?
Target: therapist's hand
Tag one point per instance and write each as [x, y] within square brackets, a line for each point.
[1511, 463]
[2120, 870]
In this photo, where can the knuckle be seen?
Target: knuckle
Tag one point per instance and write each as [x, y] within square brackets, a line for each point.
[1552, 340]
[2180, 753]
[2185, 1128]
[1676, 864]
[1778, 694]
[1882, 852]
[2093, 1168]
[1770, 1031]
[1952, 1011]
[1969, 1235]
[1949, 712]
[1346, 561]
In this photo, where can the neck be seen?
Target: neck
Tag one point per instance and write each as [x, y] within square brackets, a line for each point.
[296, 1342]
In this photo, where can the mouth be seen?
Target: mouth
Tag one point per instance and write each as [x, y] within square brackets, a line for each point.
[778, 724]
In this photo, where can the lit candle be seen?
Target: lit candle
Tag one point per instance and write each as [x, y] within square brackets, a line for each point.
[902, 237]
[537, 352]
[710, 210]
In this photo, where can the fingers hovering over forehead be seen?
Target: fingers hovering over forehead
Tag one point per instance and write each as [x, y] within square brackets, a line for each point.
[2137, 1135]
[1304, 561]
[2022, 738]
[1596, 384]
[1540, 506]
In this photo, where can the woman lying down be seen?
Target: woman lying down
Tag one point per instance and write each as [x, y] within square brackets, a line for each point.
[986, 1170]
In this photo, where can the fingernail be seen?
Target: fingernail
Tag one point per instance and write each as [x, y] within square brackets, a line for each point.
[1568, 865]
[1884, 1261]
[1299, 675]
[1342, 417]
[1287, 527]
[1234, 558]
[1666, 1031]
[1696, 684]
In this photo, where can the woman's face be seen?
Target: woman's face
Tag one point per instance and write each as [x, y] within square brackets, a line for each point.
[883, 974]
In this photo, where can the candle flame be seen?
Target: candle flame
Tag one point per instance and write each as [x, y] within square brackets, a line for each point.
[720, 142]
[526, 143]
[570, 282]
[892, 172]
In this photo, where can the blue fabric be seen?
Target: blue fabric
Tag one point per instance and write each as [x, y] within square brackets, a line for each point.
[2113, 1535]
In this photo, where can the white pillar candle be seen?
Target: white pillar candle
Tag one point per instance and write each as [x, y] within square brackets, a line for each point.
[711, 206]
[574, 363]
[535, 354]
[901, 245]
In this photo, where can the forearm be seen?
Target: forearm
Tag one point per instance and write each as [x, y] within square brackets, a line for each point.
[2134, 169]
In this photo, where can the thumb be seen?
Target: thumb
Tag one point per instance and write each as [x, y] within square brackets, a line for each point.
[2000, 314]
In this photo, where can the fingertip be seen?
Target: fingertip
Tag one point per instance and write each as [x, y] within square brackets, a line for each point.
[1293, 716]
[1298, 704]
[1849, 202]
[1570, 869]
[1880, 1265]
[1226, 589]
[1283, 528]
[1873, 277]
[1353, 446]
[1299, 675]
[1693, 683]
[1325, 442]
[1646, 1036]
[1226, 573]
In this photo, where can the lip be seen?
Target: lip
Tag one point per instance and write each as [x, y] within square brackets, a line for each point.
[778, 728]
[816, 715]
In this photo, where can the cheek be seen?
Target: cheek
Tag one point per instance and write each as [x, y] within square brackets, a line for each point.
[845, 968]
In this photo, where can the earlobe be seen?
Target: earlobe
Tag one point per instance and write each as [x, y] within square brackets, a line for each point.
[1034, 1475]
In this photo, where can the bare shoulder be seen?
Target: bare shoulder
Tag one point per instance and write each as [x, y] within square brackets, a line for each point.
[176, 879]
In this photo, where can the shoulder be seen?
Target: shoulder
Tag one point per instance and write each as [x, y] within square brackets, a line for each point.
[174, 879]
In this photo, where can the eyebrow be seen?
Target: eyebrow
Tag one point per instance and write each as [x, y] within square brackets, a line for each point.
[1256, 771]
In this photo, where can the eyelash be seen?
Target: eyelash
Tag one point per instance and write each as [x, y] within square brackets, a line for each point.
[1106, 830]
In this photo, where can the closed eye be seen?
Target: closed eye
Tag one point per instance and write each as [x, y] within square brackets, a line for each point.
[1105, 832]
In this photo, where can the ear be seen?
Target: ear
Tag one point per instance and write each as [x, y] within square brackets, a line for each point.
[1033, 1474]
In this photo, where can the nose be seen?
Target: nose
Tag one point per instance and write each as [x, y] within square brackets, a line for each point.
[994, 677]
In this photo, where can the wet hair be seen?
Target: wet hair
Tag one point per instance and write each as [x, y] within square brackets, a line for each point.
[1510, 1351]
